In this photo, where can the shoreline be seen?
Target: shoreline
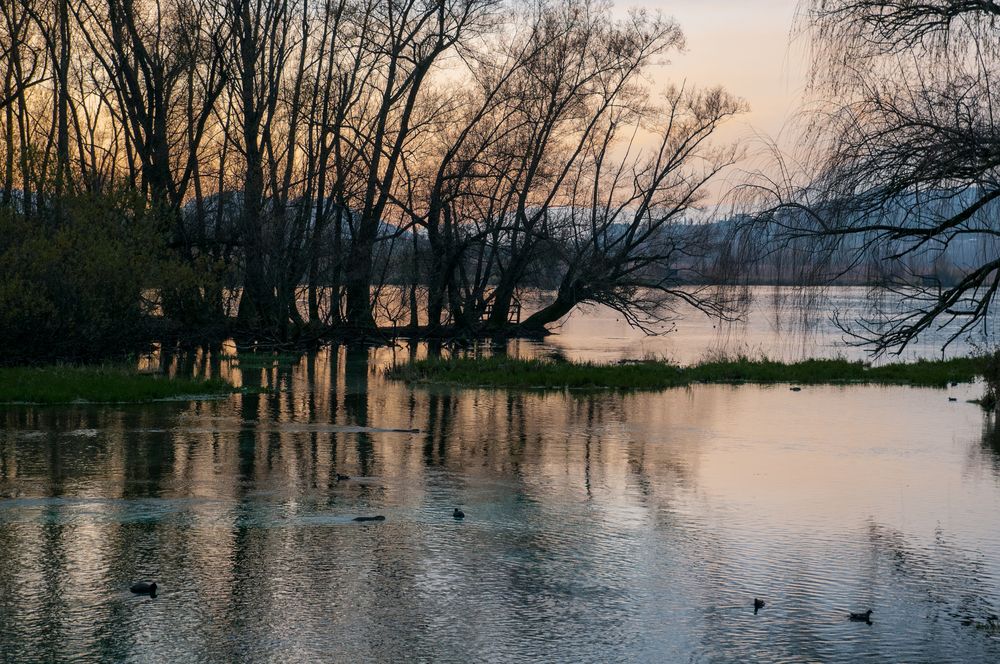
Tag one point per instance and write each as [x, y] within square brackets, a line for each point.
[510, 373]
[100, 384]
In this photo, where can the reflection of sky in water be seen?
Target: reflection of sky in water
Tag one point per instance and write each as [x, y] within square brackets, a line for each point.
[601, 527]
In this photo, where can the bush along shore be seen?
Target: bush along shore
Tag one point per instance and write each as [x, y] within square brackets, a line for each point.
[100, 384]
[651, 375]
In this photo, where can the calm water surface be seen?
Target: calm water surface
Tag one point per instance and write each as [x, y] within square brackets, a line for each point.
[601, 527]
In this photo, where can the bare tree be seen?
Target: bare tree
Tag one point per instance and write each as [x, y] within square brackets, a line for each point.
[24, 66]
[627, 240]
[568, 91]
[411, 36]
[161, 62]
[901, 162]
[302, 157]
[266, 62]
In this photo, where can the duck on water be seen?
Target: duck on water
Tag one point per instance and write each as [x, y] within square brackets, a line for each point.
[144, 588]
[865, 617]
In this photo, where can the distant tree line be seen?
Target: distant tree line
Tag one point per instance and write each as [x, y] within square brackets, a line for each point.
[299, 156]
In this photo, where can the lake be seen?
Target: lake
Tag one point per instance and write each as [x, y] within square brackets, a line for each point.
[600, 527]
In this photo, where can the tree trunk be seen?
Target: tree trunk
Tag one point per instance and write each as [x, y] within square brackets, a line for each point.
[436, 284]
[358, 278]
[62, 124]
[414, 280]
[563, 304]
[502, 298]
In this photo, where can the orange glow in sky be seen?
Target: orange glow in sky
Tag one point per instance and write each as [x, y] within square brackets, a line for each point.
[745, 46]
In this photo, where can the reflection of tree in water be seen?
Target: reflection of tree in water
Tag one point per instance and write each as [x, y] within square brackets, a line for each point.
[356, 402]
[953, 584]
[990, 448]
[441, 417]
[797, 314]
[780, 322]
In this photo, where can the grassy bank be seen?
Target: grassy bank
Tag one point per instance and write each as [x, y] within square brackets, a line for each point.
[102, 384]
[516, 373]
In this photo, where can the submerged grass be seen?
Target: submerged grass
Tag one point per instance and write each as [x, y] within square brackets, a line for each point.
[262, 360]
[649, 375]
[98, 384]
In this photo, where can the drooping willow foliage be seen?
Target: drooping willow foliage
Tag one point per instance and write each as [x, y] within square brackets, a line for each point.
[899, 171]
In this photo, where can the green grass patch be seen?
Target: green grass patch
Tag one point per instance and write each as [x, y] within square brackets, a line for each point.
[651, 375]
[99, 384]
[263, 360]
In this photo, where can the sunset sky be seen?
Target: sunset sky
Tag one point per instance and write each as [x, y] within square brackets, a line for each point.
[745, 46]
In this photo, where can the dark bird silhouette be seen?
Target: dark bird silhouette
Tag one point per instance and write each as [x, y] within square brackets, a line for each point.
[758, 604]
[144, 588]
[458, 514]
[865, 617]
[795, 389]
[370, 518]
[342, 478]
[952, 399]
